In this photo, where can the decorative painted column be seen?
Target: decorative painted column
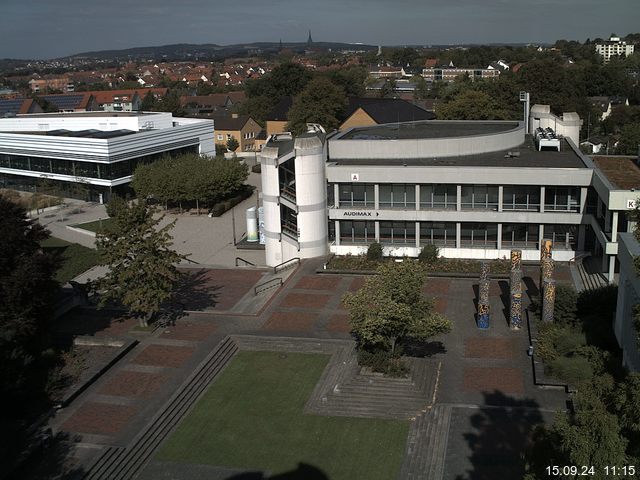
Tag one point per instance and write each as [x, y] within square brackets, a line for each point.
[483, 304]
[548, 300]
[515, 317]
[546, 246]
[516, 260]
[484, 271]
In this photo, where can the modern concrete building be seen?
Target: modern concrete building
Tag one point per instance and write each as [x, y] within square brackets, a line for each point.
[474, 189]
[614, 47]
[628, 301]
[97, 151]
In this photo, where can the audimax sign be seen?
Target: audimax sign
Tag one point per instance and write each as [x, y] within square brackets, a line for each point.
[359, 213]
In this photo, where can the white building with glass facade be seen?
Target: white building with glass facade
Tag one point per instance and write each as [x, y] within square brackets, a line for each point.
[476, 189]
[98, 150]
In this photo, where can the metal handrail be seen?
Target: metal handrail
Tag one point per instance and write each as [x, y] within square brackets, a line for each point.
[291, 260]
[246, 262]
[274, 282]
[581, 256]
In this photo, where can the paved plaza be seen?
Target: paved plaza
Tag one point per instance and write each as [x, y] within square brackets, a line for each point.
[478, 399]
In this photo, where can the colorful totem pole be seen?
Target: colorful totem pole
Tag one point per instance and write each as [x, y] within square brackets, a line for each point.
[545, 254]
[546, 272]
[483, 296]
[515, 316]
[548, 300]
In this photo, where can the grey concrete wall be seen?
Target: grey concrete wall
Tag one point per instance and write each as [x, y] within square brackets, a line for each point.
[628, 297]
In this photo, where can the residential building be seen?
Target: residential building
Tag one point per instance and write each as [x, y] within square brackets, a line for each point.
[51, 82]
[606, 104]
[17, 106]
[72, 102]
[363, 112]
[241, 127]
[214, 104]
[96, 152]
[614, 47]
[451, 73]
[277, 118]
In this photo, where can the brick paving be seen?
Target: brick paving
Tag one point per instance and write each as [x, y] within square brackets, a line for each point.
[164, 356]
[339, 323]
[356, 283]
[291, 321]
[484, 379]
[104, 323]
[190, 331]
[133, 384]
[499, 348]
[437, 286]
[305, 300]
[99, 418]
[318, 283]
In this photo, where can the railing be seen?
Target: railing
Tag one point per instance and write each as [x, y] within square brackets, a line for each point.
[274, 282]
[246, 262]
[284, 265]
[191, 261]
[581, 256]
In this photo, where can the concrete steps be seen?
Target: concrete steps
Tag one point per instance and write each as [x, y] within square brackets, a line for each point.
[427, 445]
[121, 464]
[590, 274]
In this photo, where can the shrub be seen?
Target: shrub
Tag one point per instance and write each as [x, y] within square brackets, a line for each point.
[383, 361]
[374, 252]
[601, 301]
[571, 369]
[568, 341]
[429, 254]
[566, 305]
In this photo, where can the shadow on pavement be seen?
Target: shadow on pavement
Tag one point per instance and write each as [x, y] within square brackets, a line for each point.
[195, 291]
[303, 472]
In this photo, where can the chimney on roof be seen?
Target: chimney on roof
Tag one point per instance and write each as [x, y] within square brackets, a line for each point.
[234, 115]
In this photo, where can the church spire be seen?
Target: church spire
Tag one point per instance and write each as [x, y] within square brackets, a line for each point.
[309, 40]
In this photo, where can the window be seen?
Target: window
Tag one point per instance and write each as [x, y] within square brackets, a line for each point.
[356, 195]
[398, 233]
[479, 235]
[562, 199]
[289, 222]
[438, 196]
[331, 202]
[520, 235]
[479, 197]
[516, 197]
[562, 236]
[357, 232]
[397, 196]
[443, 234]
[220, 137]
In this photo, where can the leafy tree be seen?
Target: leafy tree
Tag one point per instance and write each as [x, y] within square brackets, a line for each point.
[232, 144]
[320, 102]
[626, 403]
[390, 308]
[471, 105]
[629, 139]
[149, 103]
[142, 272]
[287, 79]
[375, 252]
[388, 88]
[352, 80]
[27, 290]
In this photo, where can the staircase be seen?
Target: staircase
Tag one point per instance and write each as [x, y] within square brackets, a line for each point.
[590, 274]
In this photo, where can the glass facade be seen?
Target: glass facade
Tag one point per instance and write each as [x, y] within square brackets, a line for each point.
[438, 196]
[479, 197]
[357, 195]
[479, 235]
[78, 168]
[520, 235]
[398, 195]
[443, 234]
[521, 197]
[398, 233]
[562, 199]
[357, 232]
[562, 236]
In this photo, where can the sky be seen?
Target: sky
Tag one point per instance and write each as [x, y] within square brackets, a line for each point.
[42, 29]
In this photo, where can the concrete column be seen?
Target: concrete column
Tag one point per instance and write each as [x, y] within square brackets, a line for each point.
[417, 199]
[458, 197]
[376, 196]
[336, 195]
[458, 234]
[542, 194]
[614, 227]
[516, 259]
[612, 268]
[607, 221]
[500, 199]
[605, 262]
[540, 236]
[582, 232]
[483, 304]
[515, 317]
[548, 300]
[417, 234]
[583, 200]
[499, 234]
[337, 229]
[377, 231]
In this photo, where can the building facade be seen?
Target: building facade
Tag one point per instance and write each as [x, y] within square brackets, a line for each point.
[614, 47]
[92, 154]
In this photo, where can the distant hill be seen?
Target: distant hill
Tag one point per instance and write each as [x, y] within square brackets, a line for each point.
[184, 51]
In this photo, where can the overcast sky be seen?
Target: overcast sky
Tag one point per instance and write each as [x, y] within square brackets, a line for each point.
[54, 28]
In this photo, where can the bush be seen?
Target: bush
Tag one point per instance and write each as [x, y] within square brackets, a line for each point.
[374, 252]
[382, 361]
[571, 369]
[257, 168]
[568, 341]
[429, 254]
[565, 307]
[601, 301]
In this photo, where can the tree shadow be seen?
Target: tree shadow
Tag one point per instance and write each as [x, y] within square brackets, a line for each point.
[505, 297]
[531, 289]
[414, 348]
[498, 436]
[195, 293]
[303, 472]
[50, 457]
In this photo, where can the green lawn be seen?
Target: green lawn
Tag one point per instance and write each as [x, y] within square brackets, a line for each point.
[251, 418]
[75, 258]
[96, 225]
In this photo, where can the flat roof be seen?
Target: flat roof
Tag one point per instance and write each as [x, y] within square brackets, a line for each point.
[622, 171]
[88, 114]
[428, 129]
[529, 157]
[92, 133]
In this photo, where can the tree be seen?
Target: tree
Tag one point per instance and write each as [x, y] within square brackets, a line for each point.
[629, 139]
[320, 102]
[27, 290]
[471, 105]
[232, 144]
[149, 103]
[287, 79]
[142, 272]
[390, 308]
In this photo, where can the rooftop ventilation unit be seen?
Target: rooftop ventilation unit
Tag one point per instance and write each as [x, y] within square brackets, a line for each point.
[547, 138]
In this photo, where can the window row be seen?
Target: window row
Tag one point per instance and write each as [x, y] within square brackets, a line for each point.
[444, 197]
[474, 235]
